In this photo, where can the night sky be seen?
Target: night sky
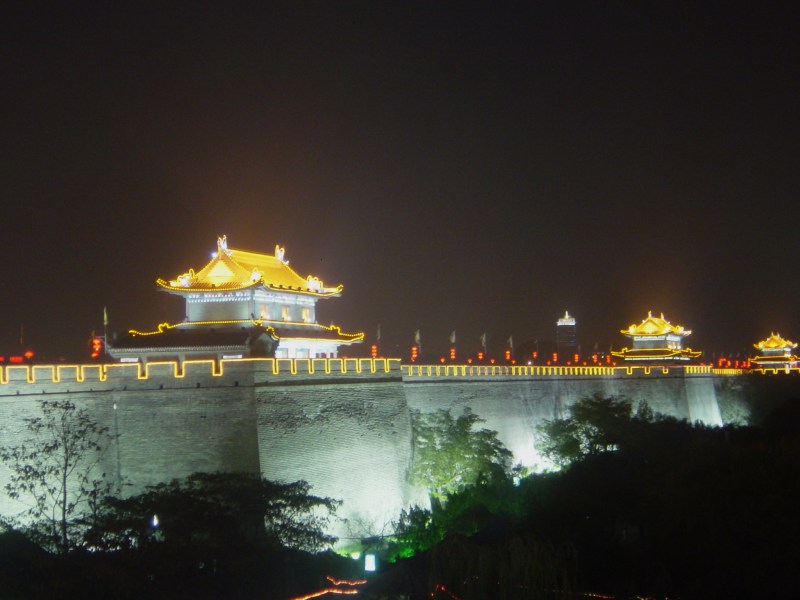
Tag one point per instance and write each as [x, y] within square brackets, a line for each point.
[468, 169]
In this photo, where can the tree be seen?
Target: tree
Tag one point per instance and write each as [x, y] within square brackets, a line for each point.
[219, 510]
[450, 455]
[54, 473]
[595, 425]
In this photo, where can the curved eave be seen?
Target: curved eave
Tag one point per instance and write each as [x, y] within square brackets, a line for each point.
[288, 330]
[656, 353]
[681, 332]
[305, 331]
[173, 289]
[775, 360]
[164, 327]
[170, 349]
[324, 293]
[766, 345]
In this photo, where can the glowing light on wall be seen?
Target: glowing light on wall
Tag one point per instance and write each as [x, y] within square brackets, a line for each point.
[370, 563]
[97, 347]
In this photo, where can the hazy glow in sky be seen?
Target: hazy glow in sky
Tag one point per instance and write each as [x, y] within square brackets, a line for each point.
[456, 169]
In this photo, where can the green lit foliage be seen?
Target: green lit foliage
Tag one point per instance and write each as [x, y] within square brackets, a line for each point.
[219, 510]
[415, 531]
[450, 454]
[53, 473]
[652, 507]
[595, 425]
[486, 504]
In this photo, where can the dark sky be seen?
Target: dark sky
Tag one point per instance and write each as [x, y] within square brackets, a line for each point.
[469, 169]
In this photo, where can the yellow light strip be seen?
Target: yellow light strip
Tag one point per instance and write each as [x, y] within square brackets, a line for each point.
[163, 327]
[670, 352]
[336, 366]
[39, 373]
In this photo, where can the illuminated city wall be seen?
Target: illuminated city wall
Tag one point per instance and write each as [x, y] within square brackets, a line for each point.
[515, 400]
[341, 424]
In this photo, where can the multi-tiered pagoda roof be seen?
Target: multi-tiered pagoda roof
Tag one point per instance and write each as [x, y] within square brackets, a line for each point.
[775, 352]
[241, 303]
[231, 269]
[655, 340]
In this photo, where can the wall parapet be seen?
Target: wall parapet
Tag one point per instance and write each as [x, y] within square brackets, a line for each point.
[777, 370]
[411, 372]
[110, 372]
[336, 367]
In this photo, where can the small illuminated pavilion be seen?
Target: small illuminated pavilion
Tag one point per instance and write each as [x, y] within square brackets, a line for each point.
[656, 340]
[775, 352]
[241, 304]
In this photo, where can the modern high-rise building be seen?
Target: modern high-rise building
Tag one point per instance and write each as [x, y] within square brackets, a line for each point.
[567, 336]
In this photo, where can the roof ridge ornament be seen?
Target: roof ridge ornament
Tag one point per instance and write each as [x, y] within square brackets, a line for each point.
[222, 246]
[280, 253]
[314, 283]
[184, 280]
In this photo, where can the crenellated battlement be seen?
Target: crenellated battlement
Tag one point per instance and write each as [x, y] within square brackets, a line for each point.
[329, 367]
[53, 374]
[292, 419]
[411, 372]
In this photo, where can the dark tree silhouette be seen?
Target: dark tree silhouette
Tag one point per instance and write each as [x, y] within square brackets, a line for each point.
[219, 510]
[595, 425]
[54, 474]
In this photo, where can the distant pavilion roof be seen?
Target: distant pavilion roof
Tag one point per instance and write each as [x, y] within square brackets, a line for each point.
[231, 269]
[655, 326]
[775, 342]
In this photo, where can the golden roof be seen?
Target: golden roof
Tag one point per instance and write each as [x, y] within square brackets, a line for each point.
[655, 326]
[774, 341]
[231, 269]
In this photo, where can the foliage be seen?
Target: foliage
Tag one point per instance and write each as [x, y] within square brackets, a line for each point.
[219, 509]
[675, 510]
[53, 472]
[595, 425]
[449, 454]
[414, 532]
[488, 503]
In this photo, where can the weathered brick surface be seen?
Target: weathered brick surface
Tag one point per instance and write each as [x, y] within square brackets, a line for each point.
[350, 441]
